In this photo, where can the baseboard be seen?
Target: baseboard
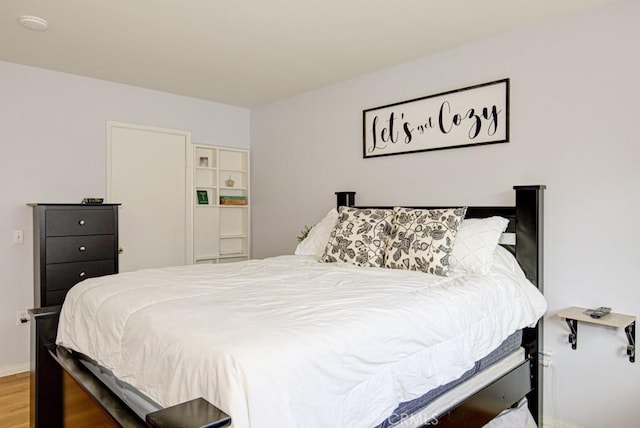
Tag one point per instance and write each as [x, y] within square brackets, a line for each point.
[14, 369]
[554, 423]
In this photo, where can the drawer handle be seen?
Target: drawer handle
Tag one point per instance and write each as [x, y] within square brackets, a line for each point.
[81, 222]
[82, 248]
[83, 274]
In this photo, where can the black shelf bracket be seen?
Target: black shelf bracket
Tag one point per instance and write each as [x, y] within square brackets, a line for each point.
[630, 330]
[573, 336]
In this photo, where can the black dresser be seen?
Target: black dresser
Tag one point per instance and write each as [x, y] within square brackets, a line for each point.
[72, 242]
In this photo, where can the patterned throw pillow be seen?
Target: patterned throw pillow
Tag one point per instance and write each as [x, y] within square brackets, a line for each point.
[359, 237]
[422, 239]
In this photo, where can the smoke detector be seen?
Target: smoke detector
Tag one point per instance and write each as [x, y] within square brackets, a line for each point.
[33, 23]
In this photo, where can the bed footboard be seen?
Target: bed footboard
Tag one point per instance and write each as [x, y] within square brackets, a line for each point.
[55, 371]
[46, 403]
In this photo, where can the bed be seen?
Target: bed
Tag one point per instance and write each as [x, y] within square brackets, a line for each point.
[321, 348]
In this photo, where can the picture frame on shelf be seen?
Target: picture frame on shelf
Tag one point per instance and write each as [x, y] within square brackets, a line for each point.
[203, 161]
[203, 197]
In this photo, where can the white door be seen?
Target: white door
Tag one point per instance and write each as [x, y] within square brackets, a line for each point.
[149, 173]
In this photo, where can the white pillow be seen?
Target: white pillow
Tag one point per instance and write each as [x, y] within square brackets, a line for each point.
[475, 243]
[505, 262]
[318, 236]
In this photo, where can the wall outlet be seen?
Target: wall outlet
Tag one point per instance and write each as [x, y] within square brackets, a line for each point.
[18, 237]
[22, 317]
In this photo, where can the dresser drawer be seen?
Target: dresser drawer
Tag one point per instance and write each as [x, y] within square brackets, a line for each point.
[72, 242]
[65, 222]
[62, 276]
[80, 248]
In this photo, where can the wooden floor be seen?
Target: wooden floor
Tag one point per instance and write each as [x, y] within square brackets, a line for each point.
[80, 412]
[14, 401]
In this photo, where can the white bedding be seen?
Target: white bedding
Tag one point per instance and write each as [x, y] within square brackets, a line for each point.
[291, 342]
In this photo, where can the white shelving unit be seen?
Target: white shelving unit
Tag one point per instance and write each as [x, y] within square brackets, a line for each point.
[221, 223]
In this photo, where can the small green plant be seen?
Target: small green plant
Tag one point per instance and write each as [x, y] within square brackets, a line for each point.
[304, 233]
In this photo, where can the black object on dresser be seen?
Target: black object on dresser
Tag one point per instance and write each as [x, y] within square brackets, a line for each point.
[72, 242]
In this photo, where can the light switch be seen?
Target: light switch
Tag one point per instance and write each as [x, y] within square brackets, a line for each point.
[18, 237]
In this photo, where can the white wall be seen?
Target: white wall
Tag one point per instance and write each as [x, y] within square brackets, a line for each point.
[574, 127]
[53, 149]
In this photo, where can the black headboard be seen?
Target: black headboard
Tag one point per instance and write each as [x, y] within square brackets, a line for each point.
[526, 221]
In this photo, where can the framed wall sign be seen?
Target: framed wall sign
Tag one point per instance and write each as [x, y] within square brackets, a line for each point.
[463, 117]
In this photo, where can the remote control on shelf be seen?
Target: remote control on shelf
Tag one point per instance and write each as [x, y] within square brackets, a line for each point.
[598, 312]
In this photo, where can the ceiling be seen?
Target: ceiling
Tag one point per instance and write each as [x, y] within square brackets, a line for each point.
[251, 52]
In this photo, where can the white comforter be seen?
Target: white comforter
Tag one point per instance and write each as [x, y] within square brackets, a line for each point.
[290, 342]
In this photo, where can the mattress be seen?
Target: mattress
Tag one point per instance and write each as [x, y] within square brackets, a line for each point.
[413, 407]
[288, 341]
[427, 416]
[141, 404]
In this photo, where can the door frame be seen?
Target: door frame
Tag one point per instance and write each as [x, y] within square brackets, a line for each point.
[189, 200]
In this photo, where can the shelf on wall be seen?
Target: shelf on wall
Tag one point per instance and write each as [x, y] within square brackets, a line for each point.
[574, 314]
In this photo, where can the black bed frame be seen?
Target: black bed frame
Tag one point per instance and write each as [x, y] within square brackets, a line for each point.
[49, 362]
